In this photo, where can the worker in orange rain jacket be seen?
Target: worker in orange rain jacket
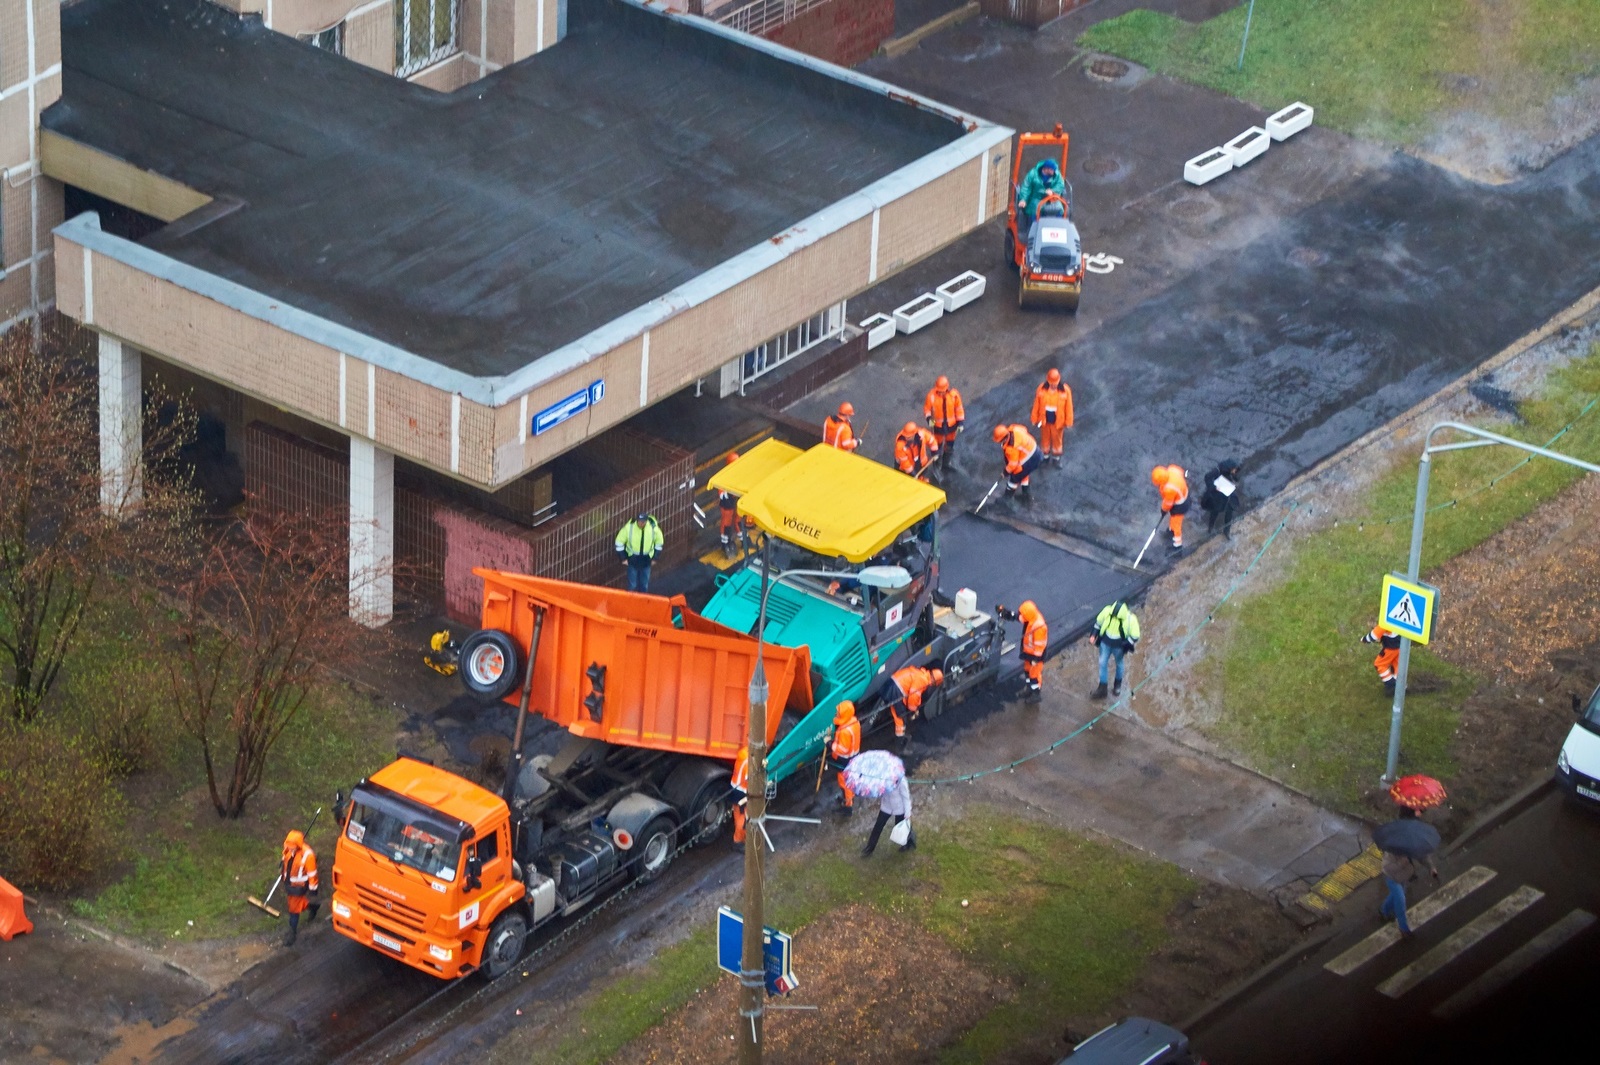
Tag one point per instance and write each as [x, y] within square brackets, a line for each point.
[914, 450]
[740, 783]
[910, 683]
[1052, 414]
[300, 882]
[845, 746]
[1022, 455]
[1388, 660]
[837, 430]
[1174, 489]
[731, 528]
[1035, 640]
[945, 416]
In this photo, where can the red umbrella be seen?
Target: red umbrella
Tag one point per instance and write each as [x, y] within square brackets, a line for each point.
[1418, 792]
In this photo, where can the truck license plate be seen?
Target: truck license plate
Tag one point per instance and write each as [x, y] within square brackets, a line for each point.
[384, 941]
[1588, 793]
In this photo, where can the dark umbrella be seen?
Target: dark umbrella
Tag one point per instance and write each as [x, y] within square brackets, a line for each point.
[1407, 837]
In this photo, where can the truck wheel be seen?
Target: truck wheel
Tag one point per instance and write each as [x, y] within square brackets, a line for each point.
[503, 948]
[656, 846]
[490, 665]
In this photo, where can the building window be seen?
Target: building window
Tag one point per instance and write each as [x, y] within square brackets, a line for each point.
[424, 33]
[329, 40]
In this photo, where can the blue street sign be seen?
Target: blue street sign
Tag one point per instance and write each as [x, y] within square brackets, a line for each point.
[1408, 608]
[568, 408]
[777, 949]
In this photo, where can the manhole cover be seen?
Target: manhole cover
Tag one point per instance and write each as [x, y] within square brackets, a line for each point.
[1101, 166]
[1107, 69]
[1191, 207]
[1308, 257]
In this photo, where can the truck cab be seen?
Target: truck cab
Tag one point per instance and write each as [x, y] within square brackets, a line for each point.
[423, 871]
[1578, 764]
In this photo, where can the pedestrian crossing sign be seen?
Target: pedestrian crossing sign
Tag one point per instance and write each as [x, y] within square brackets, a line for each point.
[1408, 608]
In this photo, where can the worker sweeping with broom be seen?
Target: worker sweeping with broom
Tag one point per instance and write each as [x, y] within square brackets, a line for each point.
[300, 882]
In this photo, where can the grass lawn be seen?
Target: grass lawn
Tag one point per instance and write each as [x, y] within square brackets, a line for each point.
[1300, 698]
[1069, 920]
[1374, 68]
[185, 864]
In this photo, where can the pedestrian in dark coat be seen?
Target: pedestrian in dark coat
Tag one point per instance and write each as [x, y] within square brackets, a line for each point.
[1220, 500]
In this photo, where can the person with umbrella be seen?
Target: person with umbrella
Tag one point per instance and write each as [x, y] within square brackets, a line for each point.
[1406, 842]
[880, 775]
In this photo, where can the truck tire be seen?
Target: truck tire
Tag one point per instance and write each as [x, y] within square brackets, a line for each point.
[491, 665]
[699, 790]
[503, 949]
[655, 847]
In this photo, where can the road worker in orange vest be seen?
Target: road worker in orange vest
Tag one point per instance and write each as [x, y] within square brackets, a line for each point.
[1052, 414]
[914, 451]
[1022, 456]
[1174, 489]
[1388, 661]
[845, 746]
[946, 416]
[837, 430]
[1035, 641]
[300, 882]
[740, 783]
[910, 683]
[730, 528]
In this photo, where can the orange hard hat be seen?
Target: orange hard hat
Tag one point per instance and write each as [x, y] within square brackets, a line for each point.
[1028, 609]
[293, 839]
[1158, 476]
[1054, 376]
[938, 676]
[999, 433]
[847, 409]
[733, 456]
[910, 429]
[942, 384]
[845, 712]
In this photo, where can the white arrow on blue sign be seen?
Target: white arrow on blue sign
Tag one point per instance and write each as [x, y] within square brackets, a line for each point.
[568, 408]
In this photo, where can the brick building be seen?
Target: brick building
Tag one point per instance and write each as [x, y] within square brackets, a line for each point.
[432, 297]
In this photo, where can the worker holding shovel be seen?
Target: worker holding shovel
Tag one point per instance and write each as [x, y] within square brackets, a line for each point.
[300, 880]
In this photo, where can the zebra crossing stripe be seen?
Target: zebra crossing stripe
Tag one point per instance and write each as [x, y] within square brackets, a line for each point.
[1515, 964]
[1416, 916]
[1460, 941]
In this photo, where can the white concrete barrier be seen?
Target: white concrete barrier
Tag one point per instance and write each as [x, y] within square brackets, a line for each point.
[925, 309]
[1289, 121]
[1247, 145]
[961, 290]
[1207, 166]
[879, 329]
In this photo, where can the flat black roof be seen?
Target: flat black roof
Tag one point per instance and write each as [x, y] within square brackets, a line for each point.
[484, 228]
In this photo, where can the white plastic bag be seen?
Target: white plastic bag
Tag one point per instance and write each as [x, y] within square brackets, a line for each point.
[901, 833]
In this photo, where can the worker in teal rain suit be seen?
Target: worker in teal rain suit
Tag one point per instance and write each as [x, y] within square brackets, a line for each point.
[1043, 179]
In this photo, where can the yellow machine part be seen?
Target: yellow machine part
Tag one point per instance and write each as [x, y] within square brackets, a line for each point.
[1036, 293]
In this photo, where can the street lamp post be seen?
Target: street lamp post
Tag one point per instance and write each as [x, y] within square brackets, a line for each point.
[752, 963]
[1414, 559]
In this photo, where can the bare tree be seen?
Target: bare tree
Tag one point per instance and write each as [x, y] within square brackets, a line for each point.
[262, 613]
[59, 541]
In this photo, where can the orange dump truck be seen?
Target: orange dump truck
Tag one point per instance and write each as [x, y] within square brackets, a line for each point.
[450, 877]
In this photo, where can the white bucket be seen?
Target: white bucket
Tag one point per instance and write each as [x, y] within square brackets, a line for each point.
[966, 603]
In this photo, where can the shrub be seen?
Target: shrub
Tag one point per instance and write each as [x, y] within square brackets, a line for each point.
[59, 807]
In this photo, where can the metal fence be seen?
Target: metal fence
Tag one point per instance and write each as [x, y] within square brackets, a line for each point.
[762, 16]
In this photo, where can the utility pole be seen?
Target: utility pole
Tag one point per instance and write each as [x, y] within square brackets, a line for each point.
[1419, 514]
[752, 954]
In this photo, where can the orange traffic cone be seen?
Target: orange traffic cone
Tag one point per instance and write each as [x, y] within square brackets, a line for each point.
[13, 922]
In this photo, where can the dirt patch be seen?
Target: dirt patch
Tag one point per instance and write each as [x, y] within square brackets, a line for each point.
[886, 992]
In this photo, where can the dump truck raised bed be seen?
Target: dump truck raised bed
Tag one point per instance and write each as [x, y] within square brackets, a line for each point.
[654, 697]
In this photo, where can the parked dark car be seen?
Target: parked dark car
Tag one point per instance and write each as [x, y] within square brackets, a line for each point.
[1133, 1041]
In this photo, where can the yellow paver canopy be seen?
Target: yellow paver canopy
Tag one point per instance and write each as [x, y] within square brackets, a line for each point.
[828, 501]
[755, 466]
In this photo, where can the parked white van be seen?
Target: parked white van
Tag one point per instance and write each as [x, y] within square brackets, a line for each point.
[1578, 764]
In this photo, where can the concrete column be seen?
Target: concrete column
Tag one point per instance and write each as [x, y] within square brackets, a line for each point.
[371, 533]
[121, 426]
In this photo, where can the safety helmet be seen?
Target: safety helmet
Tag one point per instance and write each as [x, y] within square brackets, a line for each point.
[942, 384]
[937, 675]
[1029, 609]
[293, 840]
[999, 433]
[909, 430]
[845, 712]
[733, 456]
[847, 409]
[1158, 476]
[1054, 376]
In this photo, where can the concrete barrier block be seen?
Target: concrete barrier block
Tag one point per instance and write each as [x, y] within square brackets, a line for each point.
[1207, 166]
[880, 329]
[923, 310]
[1291, 120]
[961, 290]
[1247, 145]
